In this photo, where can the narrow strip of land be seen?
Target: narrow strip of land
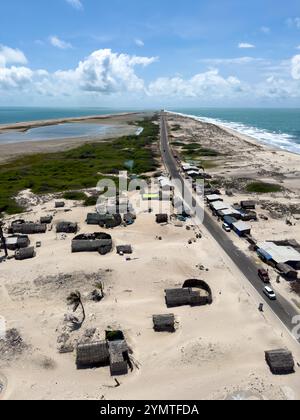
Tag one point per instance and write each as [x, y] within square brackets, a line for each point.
[281, 308]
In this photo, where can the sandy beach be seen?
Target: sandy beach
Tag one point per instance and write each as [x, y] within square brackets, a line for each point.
[217, 351]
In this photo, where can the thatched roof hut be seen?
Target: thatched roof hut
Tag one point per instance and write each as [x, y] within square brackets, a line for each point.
[27, 228]
[124, 249]
[248, 205]
[177, 297]
[207, 297]
[24, 254]
[97, 242]
[108, 221]
[164, 323]
[93, 354]
[66, 227]
[281, 362]
[287, 271]
[162, 218]
[46, 220]
[17, 242]
[188, 296]
[60, 204]
[118, 357]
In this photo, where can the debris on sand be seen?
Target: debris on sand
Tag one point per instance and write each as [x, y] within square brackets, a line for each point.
[12, 345]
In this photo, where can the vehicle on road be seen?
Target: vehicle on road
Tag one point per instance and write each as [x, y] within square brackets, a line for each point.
[226, 227]
[264, 275]
[269, 293]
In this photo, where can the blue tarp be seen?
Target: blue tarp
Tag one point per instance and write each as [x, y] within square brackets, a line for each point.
[264, 254]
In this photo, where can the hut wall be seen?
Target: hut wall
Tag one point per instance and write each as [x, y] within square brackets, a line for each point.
[29, 228]
[164, 323]
[91, 245]
[24, 253]
[202, 285]
[281, 362]
[118, 357]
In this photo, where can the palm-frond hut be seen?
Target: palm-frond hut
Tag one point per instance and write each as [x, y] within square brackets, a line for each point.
[17, 242]
[162, 218]
[66, 227]
[97, 242]
[118, 357]
[177, 297]
[24, 253]
[92, 354]
[164, 323]
[27, 228]
[281, 362]
[60, 204]
[206, 298]
[46, 220]
[124, 249]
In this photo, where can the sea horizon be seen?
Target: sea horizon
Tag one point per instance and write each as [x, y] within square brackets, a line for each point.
[276, 127]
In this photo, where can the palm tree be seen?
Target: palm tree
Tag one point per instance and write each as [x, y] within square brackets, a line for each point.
[74, 299]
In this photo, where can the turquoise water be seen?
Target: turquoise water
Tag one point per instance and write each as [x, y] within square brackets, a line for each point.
[276, 127]
[11, 115]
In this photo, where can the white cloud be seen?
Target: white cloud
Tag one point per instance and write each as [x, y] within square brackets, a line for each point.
[15, 77]
[139, 42]
[265, 29]
[229, 61]
[11, 56]
[210, 83]
[59, 43]
[296, 67]
[245, 45]
[76, 4]
[293, 22]
[107, 72]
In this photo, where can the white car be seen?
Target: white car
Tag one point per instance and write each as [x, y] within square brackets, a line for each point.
[226, 227]
[270, 293]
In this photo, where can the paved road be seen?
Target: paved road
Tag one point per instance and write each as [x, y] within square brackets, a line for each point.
[282, 308]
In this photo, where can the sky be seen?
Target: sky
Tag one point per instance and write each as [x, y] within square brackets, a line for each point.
[158, 53]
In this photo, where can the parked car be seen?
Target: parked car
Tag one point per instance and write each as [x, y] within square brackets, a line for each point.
[264, 275]
[270, 293]
[226, 227]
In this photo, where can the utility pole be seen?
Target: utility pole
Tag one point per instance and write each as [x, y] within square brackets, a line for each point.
[3, 240]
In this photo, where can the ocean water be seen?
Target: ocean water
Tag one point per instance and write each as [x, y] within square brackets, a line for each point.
[276, 127]
[11, 115]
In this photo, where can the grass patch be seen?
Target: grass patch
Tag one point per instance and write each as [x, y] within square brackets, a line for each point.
[176, 127]
[78, 168]
[90, 201]
[74, 195]
[263, 188]
[177, 144]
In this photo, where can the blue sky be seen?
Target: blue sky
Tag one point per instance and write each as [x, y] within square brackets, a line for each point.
[158, 53]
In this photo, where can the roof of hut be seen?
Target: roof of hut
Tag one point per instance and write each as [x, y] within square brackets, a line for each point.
[280, 361]
[164, 322]
[92, 354]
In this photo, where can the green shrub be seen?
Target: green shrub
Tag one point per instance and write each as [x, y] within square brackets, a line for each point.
[263, 188]
[74, 195]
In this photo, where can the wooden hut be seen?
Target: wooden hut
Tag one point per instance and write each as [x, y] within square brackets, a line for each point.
[66, 227]
[60, 204]
[124, 249]
[281, 362]
[164, 323]
[162, 218]
[188, 296]
[28, 228]
[24, 253]
[92, 354]
[97, 242]
[46, 220]
[118, 357]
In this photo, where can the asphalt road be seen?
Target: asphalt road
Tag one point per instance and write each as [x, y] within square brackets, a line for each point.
[281, 307]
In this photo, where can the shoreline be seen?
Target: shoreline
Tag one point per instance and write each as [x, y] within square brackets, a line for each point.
[13, 150]
[232, 131]
[27, 125]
